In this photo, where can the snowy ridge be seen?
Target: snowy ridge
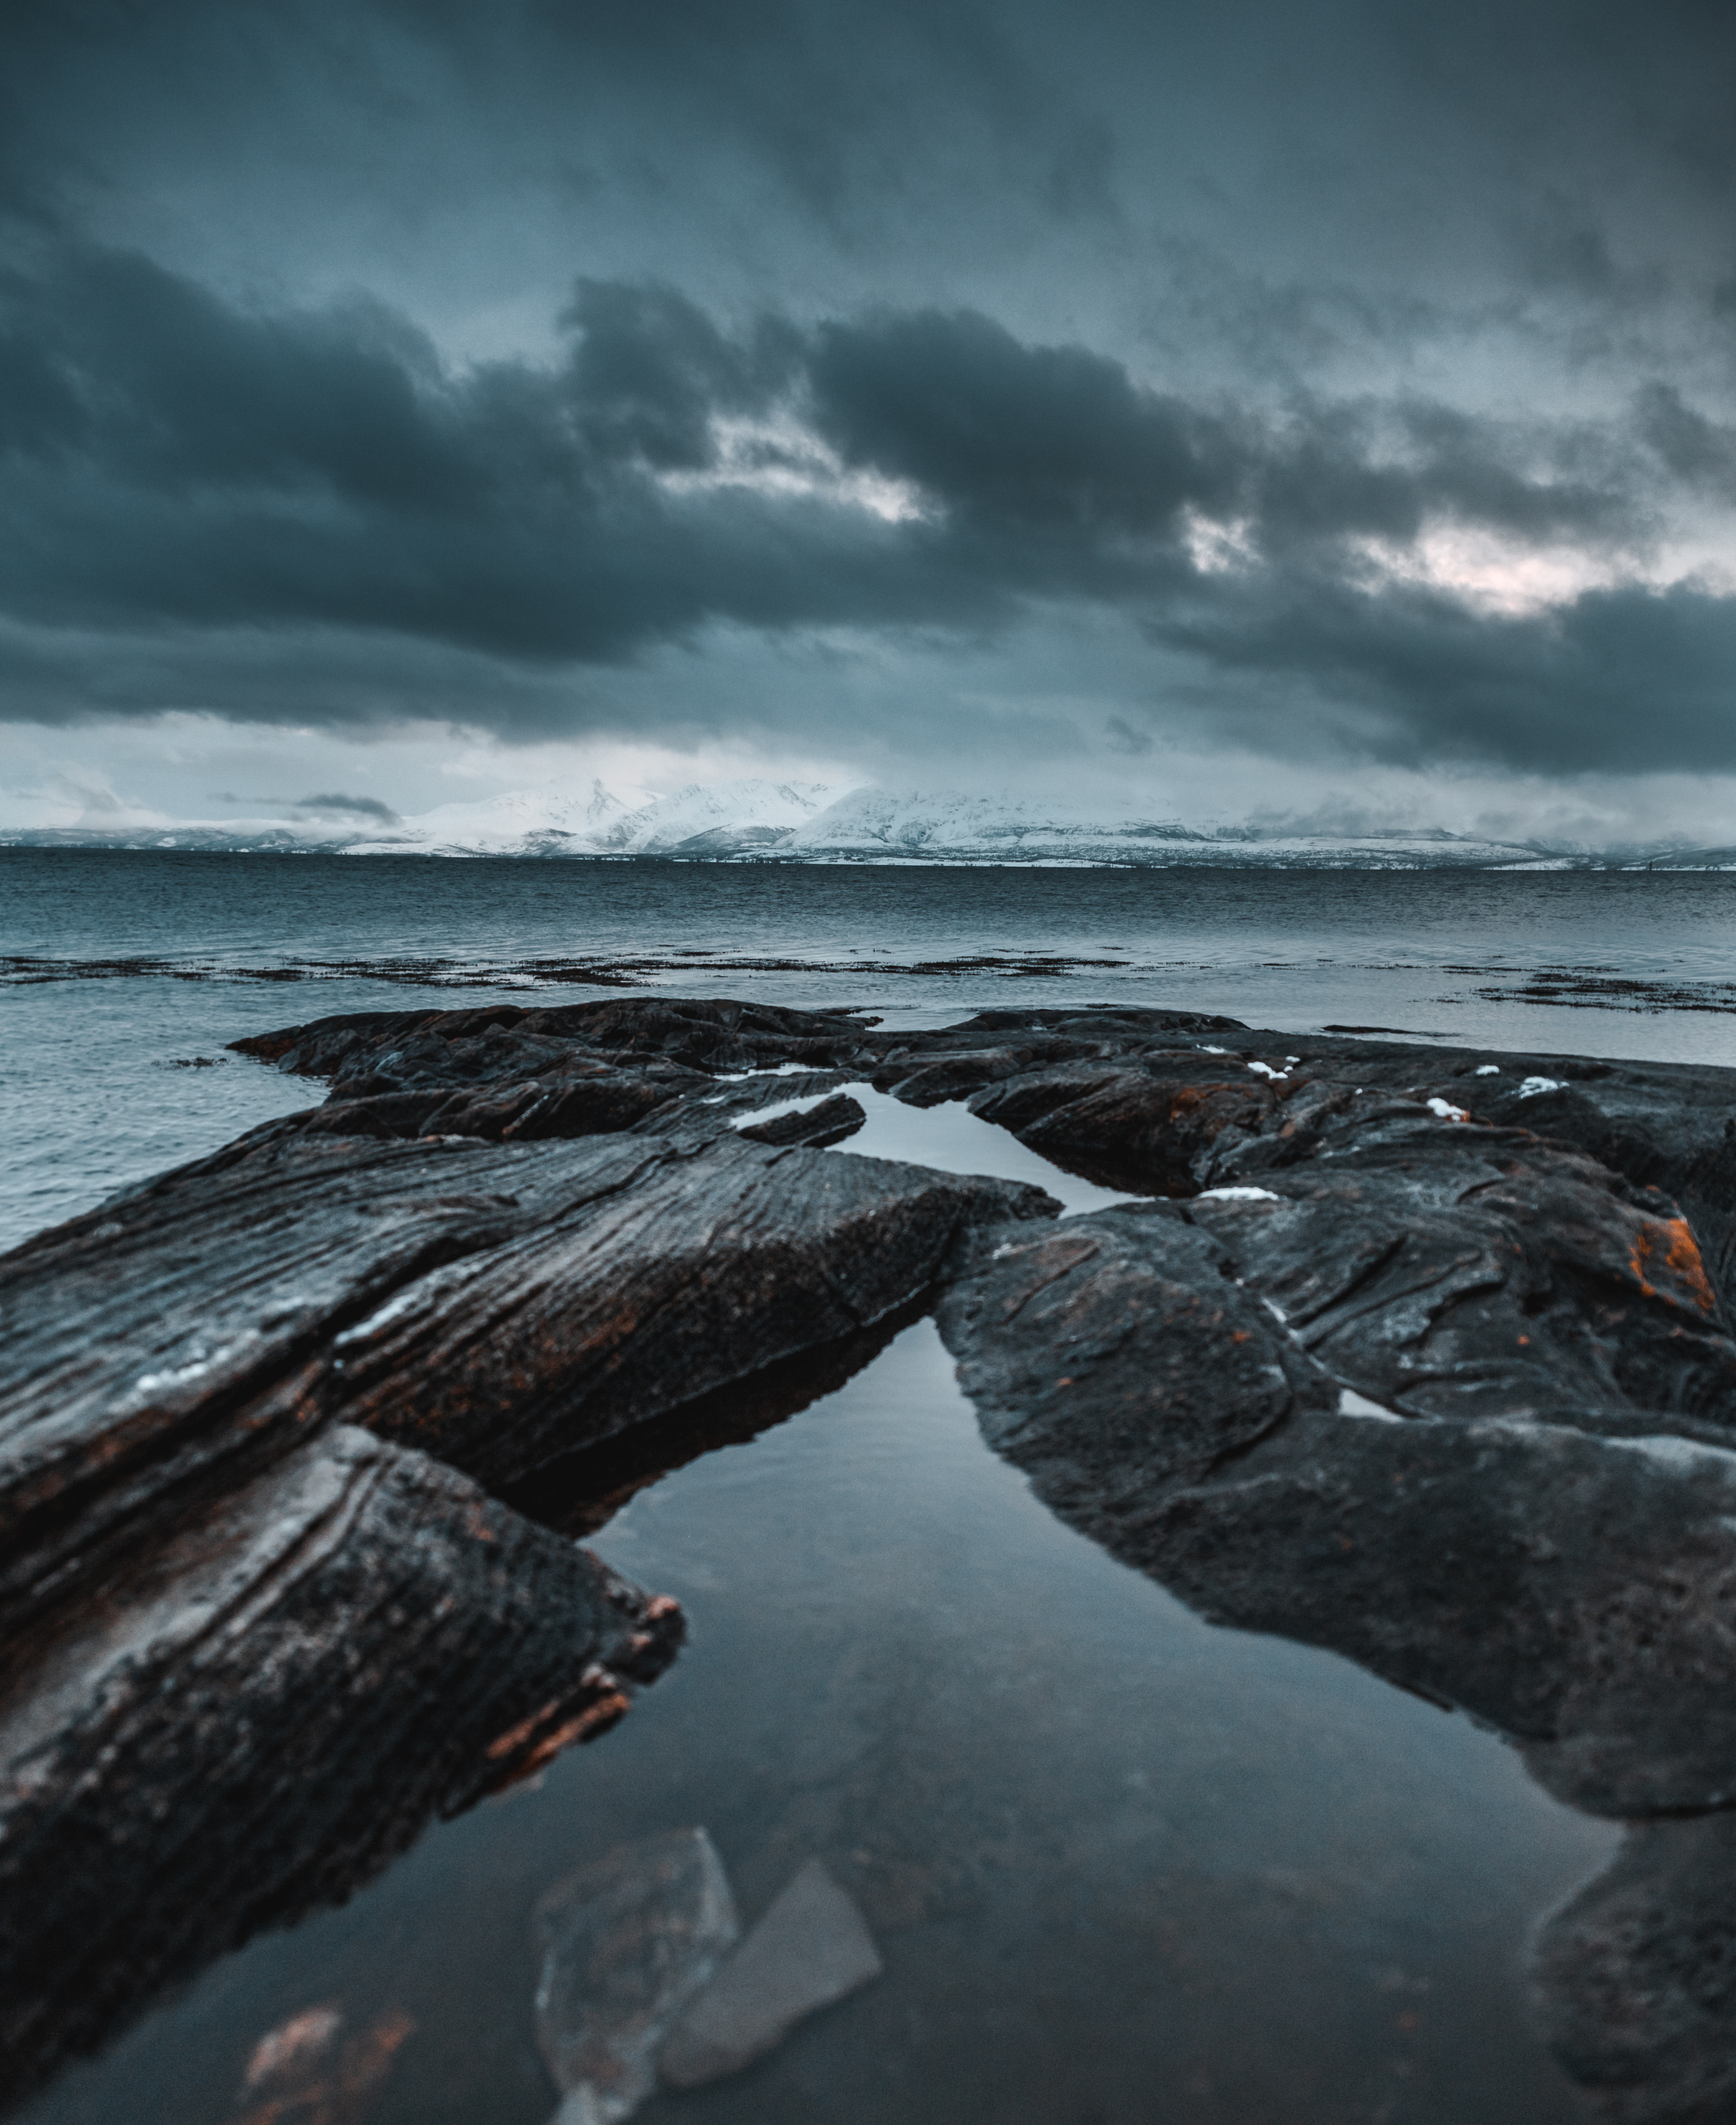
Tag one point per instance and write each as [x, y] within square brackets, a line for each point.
[703, 819]
[872, 824]
[756, 820]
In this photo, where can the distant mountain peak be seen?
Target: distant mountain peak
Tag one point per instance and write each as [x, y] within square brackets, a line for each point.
[753, 819]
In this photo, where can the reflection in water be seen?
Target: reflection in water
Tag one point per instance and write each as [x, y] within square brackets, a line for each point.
[1119, 1865]
[953, 1139]
[1637, 1974]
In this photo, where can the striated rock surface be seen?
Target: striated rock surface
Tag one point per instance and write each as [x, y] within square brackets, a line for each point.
[268, 1705]
[1420, 1353]
[1131, 1098]
[498, 1305]
[698, 1265]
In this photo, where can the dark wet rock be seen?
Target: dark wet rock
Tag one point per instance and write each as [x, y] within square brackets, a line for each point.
[1577, 1592]
[161, 1349]
[1112, 1355]
[810, 1949]
[1147, 1128]
[1636, 1977]
[1669, 1126]
[499, 1305]
[922, 1081]
[626, 1944]
[830, 1122]
[676, 1270]
[1122, 1026]
[573, 1099]
[1437, 1248]
[1438, 1267]
[1444, 1268]
[392, 1050]
[268, 1705]
[1427, 1360]
[589, 1068]
[1134, 1100]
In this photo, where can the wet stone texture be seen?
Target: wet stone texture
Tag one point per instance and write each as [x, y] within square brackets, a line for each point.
[1419, 1353]
[263, 1622]
[268, 1705]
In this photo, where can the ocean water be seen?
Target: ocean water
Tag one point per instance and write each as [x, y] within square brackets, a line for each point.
[1121, 1866]
[123, 974]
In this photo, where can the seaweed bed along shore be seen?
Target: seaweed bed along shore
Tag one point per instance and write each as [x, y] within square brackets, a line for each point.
[1423, 1355]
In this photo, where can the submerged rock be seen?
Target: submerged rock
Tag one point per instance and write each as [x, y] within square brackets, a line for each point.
[627, 1943]
[642, 1978]
[810, 1949]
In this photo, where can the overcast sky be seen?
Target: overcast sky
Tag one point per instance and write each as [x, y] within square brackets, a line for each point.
[1322, 408]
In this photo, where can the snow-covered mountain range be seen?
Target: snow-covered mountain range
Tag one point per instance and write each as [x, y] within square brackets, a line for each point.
[757, 820]
[713, 819]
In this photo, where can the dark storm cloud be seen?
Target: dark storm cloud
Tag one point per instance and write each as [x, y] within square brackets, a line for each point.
[362, 807]
[171, 463]
[1630, 679]
[1158, 312]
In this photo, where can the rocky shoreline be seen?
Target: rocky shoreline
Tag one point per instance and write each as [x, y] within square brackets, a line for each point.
[1423, 1355]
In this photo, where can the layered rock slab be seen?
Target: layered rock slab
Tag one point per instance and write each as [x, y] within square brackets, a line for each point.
[251, 1647]
[719, 1259]
[1576, 1591]
[1447, 1268]
[273, 1703]
[497, 1305]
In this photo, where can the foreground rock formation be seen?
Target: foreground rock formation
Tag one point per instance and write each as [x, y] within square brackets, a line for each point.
[262, 1624]
[1422, 1354]
[265, 1706]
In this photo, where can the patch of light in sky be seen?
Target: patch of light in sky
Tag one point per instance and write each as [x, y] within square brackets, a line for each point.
[779, 457]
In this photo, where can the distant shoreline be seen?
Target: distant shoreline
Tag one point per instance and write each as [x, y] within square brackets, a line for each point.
[1697, 862]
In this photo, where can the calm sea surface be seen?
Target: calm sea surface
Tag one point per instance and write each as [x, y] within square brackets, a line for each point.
[1121, 1866]
[125, 967]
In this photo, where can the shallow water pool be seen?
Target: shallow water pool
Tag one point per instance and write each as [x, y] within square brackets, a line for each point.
[1120, 1866]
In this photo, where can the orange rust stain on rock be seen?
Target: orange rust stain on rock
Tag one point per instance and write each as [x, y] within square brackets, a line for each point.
[1671, 1239]
[298, 2094]
[366, 2056]
[503, 1744]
